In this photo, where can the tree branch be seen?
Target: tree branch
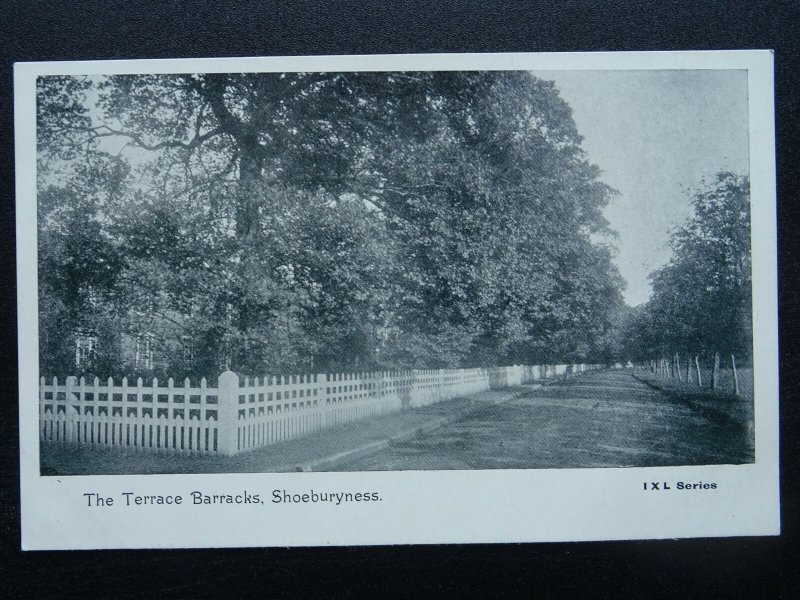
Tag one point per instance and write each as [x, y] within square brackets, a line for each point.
[106, 131]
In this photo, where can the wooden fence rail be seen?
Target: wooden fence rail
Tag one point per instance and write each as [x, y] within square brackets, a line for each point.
[242, 414]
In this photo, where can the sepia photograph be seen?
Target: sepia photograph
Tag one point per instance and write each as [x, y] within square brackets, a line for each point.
[359, 270]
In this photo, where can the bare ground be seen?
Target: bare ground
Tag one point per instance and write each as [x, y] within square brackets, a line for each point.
[607, 419]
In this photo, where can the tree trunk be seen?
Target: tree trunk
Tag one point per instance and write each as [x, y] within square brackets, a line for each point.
[715, 372]
[688, 369]
[251, 153]
[678, 366]
[697, 366]
[735, 376]
[251, 167]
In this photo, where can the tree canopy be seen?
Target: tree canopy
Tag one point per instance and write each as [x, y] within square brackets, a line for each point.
[318, 221]
[702, 299]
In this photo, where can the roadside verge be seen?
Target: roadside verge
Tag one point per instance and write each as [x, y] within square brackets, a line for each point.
[710, 402]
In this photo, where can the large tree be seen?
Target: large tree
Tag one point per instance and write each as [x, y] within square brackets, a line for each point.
[332, 220]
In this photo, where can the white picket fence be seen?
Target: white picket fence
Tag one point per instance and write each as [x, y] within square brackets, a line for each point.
[243, 414]
[135, 416]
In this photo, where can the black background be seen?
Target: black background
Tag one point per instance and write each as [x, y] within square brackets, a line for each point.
[114, 29]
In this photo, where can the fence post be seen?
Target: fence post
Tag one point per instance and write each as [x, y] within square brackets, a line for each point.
[228, 413]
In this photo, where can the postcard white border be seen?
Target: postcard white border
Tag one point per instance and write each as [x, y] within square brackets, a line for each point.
[417, 507]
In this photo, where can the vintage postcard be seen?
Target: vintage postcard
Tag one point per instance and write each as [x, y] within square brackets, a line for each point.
[364, 300]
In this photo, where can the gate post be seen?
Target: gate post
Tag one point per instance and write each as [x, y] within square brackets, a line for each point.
[228, 413]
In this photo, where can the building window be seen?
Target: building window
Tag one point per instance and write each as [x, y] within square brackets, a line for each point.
[188, 349]
[144, 351]
[85, 349]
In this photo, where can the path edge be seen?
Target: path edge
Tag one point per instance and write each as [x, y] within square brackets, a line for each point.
[326, 462]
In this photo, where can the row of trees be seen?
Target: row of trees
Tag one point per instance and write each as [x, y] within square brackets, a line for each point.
[317, 221]
[701, 304]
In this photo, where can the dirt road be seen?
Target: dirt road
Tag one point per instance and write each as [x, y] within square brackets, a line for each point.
[605, 419]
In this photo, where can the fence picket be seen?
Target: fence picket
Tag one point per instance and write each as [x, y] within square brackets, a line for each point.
[256, 411]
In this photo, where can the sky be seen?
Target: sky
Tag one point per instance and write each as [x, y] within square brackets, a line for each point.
[656, 135]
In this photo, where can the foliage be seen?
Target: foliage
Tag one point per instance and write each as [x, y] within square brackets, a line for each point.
[318, 221]
[701, 301]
